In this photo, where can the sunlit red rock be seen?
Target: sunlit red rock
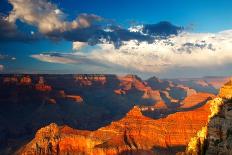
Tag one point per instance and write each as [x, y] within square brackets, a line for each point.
[25, 80]
[226, 90]
[75, 98]
[129, 81]
[160, 105]
[119, 91]
[87, 80]
[152, 94]
[41, 86]
[134, 133]
[196, 100]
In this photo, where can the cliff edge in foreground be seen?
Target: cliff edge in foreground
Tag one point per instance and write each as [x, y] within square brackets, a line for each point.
[216, 137]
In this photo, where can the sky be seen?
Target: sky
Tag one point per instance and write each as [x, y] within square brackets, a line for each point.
[164, 38]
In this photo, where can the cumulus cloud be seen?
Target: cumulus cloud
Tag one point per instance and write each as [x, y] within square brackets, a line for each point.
[146, 48]
[10, 32]
[77, 45]
[89, 28]
[150, 48]
[184, 50]
[46, 16]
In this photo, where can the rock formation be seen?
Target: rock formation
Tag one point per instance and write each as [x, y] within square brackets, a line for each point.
[25, 80]
[216, 137]
[88, 80]
[196, 100]
[132, 134]
[41, 86]
[75, 98]
[37, 100]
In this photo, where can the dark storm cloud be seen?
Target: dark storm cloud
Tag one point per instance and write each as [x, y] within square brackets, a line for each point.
[161, 29]
[97, 34]
[10, 32]
[115, 34]
[190, 47]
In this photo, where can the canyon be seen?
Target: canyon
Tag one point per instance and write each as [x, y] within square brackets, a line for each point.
[99, 114]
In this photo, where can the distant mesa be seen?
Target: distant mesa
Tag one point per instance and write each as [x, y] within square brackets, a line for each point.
[88, 80]
[26, 80]
[12, 80]
[41, 86]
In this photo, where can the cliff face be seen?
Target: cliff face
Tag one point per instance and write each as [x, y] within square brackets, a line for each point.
[219, 138]
[216, 137]
[134, 134]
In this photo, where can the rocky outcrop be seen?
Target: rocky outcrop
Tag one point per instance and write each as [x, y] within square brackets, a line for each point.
[75, 98]
[189, 91]
[88, 80]
[134, 134]
[226, 91]
[41, 86]
[26, 80]
[216, 137]
[196, 100]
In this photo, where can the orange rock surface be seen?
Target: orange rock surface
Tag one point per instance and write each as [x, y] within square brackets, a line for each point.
[133, 134]
[88, 80]
[25, 80]
[160, 105]
[41, 86]
[196, 99]
[226, 90]
[75, 98]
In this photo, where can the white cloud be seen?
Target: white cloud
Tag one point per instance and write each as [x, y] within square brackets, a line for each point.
[53, 59]
[195, 50]
[46, 16]
[65, 58]
[78, 45]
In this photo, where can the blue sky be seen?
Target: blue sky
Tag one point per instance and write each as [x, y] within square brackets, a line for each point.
[195, 17]
[206, 15]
